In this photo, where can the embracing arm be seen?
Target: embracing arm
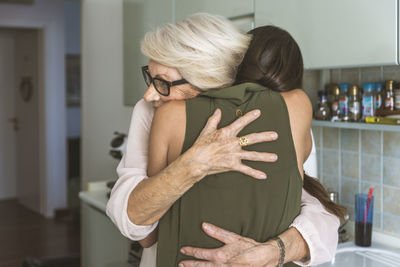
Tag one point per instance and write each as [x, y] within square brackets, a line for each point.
[131, 171]
[153, 196]
[318, 228]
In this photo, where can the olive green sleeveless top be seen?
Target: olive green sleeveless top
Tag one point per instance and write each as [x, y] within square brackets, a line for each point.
[258, 209]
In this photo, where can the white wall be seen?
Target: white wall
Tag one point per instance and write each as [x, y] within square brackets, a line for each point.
[7, 110]
[102, 92]
[47, 15]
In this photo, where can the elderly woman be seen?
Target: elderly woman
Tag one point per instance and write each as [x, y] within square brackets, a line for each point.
[136, 203]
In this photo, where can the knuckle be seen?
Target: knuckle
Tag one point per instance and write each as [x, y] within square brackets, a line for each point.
[221, 256]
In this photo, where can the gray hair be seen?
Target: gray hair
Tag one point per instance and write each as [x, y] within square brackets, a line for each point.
[206, 49]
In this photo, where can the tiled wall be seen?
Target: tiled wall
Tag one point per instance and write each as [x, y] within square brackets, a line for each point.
[351, 161]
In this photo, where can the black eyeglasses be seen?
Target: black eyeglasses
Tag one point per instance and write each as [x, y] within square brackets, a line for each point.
[162, 86]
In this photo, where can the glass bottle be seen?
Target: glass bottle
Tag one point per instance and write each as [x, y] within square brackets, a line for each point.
[322, 112]
[397, 96]
[389, 96]
[354, 104]
[378, 95]
[368, 100]
[329, 88]
[335, 111]
[344, 102]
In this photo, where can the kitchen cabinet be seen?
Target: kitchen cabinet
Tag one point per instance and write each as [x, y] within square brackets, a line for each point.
[338, 33]
[139, 17]
[226, 8]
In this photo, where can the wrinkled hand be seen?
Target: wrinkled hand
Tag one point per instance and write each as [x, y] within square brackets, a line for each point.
[237, 251]
[218, 151]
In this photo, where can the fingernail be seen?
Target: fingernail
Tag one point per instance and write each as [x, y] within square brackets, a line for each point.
[257, 112]
[274, 135]
[206, 226]
[263, 176]
[274, 157]
[181, 265]
[183, 251]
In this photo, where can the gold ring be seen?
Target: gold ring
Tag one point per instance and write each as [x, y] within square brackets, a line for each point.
[243, 141]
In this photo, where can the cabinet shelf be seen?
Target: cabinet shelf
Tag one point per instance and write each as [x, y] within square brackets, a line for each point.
[357, 125]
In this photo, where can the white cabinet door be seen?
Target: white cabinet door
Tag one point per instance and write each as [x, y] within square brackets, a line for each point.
[102, 245]
[139, 17]
[337, 33]
[227, 8]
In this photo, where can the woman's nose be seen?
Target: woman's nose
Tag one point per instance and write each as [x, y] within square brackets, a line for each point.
[151, 94]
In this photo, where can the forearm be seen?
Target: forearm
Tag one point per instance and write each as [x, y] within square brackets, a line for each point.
[153, 196]
[319, 229]
[296, 248]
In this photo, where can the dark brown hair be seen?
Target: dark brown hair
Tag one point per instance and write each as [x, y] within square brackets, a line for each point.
[274, 60]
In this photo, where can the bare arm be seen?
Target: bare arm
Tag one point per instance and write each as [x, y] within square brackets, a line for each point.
[300, 116]
[242, 251]
[153, 196]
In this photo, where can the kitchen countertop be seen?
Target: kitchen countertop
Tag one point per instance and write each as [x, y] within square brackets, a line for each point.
[378, 255]
[96, 195]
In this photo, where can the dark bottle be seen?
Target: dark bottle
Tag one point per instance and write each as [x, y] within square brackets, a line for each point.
[354, 104]
[335, 111]
[389, 96]
[378, 95]
[329, 88]
[322, 112]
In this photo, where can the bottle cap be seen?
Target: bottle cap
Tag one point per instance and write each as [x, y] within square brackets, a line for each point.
[389, 85]
[335, 90]
[368, 87]
[354, 90]
[378, 86]
[344, 87]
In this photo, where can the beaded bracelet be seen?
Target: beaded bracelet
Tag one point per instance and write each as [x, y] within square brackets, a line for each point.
[281, 249]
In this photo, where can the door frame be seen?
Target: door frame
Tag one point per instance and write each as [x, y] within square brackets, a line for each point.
[52, 110]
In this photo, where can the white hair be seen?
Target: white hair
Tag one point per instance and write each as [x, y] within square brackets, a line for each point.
[206, 49]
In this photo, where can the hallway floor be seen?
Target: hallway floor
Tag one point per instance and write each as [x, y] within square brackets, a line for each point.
[25, 234]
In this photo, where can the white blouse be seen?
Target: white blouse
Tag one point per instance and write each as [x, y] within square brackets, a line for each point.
[318, 227]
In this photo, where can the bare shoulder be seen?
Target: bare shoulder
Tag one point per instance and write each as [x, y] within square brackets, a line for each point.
[300, 115]
[167, 118]
[297, 100]
[168, 128]
[171, 111]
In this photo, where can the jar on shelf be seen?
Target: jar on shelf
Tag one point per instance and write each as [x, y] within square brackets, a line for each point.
[397, 96]
[329, 88]
[335, 111]
[368, 100]
[322, 112]
[378, 95]
[344, 102]
[389, 95]
[354, 104]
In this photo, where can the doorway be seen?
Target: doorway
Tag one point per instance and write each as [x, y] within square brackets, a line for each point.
[20, 124]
